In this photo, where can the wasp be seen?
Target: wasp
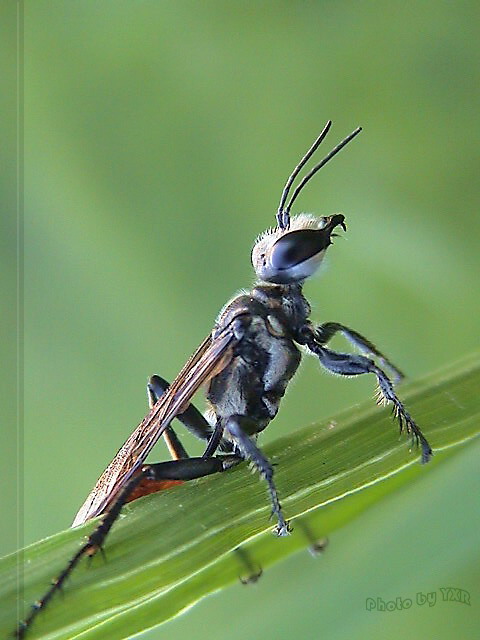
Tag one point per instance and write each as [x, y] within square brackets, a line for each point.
[245, 363]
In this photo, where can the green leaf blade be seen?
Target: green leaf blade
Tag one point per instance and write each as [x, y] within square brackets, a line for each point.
[171, 549]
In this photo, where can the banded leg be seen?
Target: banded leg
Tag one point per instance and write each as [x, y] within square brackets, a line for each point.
[347, 364]
[238, 428]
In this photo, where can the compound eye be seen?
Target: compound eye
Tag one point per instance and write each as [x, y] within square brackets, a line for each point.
[296, 247]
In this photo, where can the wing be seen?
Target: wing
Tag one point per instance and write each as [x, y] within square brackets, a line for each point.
[212, 356]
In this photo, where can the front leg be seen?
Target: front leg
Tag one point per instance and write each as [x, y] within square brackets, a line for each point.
[348, 364]
[325, 332]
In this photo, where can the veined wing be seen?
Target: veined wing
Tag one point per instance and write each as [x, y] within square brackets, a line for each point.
[212, 356]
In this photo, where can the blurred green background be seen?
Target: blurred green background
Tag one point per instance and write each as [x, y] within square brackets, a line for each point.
[158, 137]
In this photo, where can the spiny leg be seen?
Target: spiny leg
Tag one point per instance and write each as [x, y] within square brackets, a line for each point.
[155, 388]
[152, 477]
[325, 332]
[347, 364]
[238, 427]
[181, 470]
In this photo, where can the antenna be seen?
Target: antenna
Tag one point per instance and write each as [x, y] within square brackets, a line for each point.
[283, 213]
[295, 172]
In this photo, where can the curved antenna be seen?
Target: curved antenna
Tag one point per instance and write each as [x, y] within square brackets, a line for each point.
[285, 214]
[283, 220]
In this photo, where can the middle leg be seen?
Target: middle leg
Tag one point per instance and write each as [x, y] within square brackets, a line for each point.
[192, 419]
[238, 427]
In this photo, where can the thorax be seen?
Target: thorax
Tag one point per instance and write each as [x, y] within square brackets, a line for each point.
[264, 321]
[282, 308]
